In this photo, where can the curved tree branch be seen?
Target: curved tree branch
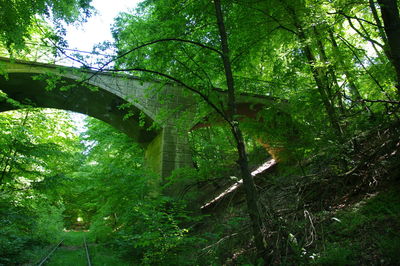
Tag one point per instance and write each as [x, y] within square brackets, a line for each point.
[159, 41]
[351, 48]
[354, 17]
[379, 101]
[177, 81]
[363, 35]
[103, 67]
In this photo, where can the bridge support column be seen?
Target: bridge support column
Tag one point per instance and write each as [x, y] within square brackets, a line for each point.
[170, 150]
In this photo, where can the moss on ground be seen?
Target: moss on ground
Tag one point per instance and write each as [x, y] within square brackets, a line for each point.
[366, 233]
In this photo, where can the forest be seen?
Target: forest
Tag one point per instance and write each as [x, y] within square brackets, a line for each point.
[309, 178]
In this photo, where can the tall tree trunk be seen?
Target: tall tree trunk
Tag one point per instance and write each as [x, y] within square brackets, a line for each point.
[318, 74]
[352, 85]
[332, 82]
[252, 197]
[378, 23]
[391, 21]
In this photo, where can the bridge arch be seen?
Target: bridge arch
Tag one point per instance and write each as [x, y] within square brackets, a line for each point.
[99, 104]
[101, 95]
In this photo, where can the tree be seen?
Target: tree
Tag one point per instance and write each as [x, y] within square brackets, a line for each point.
[320, 74]
[119, 198]
[223, 46]
[31, 146]
[391, 20]
[35, 157]
[313, 55]
[179, 44]
[22, 19]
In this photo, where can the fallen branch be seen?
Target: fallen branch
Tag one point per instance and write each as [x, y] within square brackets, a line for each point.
[264, 167]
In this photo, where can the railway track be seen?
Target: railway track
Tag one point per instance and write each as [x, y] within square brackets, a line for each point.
[47, 258]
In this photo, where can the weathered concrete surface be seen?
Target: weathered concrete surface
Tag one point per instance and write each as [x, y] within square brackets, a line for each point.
[101, 96]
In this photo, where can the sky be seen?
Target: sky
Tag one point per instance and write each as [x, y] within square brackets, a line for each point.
[97, 28]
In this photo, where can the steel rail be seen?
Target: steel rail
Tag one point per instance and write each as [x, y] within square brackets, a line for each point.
[87, 252]
[48, 255]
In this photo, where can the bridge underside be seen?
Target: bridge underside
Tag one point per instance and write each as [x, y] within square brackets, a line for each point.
[99, 104]
[165, 149]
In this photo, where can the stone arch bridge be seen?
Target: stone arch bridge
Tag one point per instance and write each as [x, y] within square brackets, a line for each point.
[101, 95]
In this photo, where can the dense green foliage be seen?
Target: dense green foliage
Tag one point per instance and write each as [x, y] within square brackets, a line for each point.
[31, 177]
[21, 21]
[131, 214]
[330, 67]
[330, 74]
[379, 217]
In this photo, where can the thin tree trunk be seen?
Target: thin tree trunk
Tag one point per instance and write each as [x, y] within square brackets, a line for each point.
[317, 72]
[371, 41]
[379, 24]
[321, 86]
[352, 86]
[8, 166]
[252, 198]
[333, 82]
[391, 21]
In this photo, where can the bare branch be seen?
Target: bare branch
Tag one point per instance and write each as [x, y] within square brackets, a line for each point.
[151, 43]
[62, 50]
[363, 35]
[379, 101]
[159, 41]
[353, 17]
[351, 48]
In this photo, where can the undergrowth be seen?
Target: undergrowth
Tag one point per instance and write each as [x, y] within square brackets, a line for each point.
[340, 208]
[364, 233]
